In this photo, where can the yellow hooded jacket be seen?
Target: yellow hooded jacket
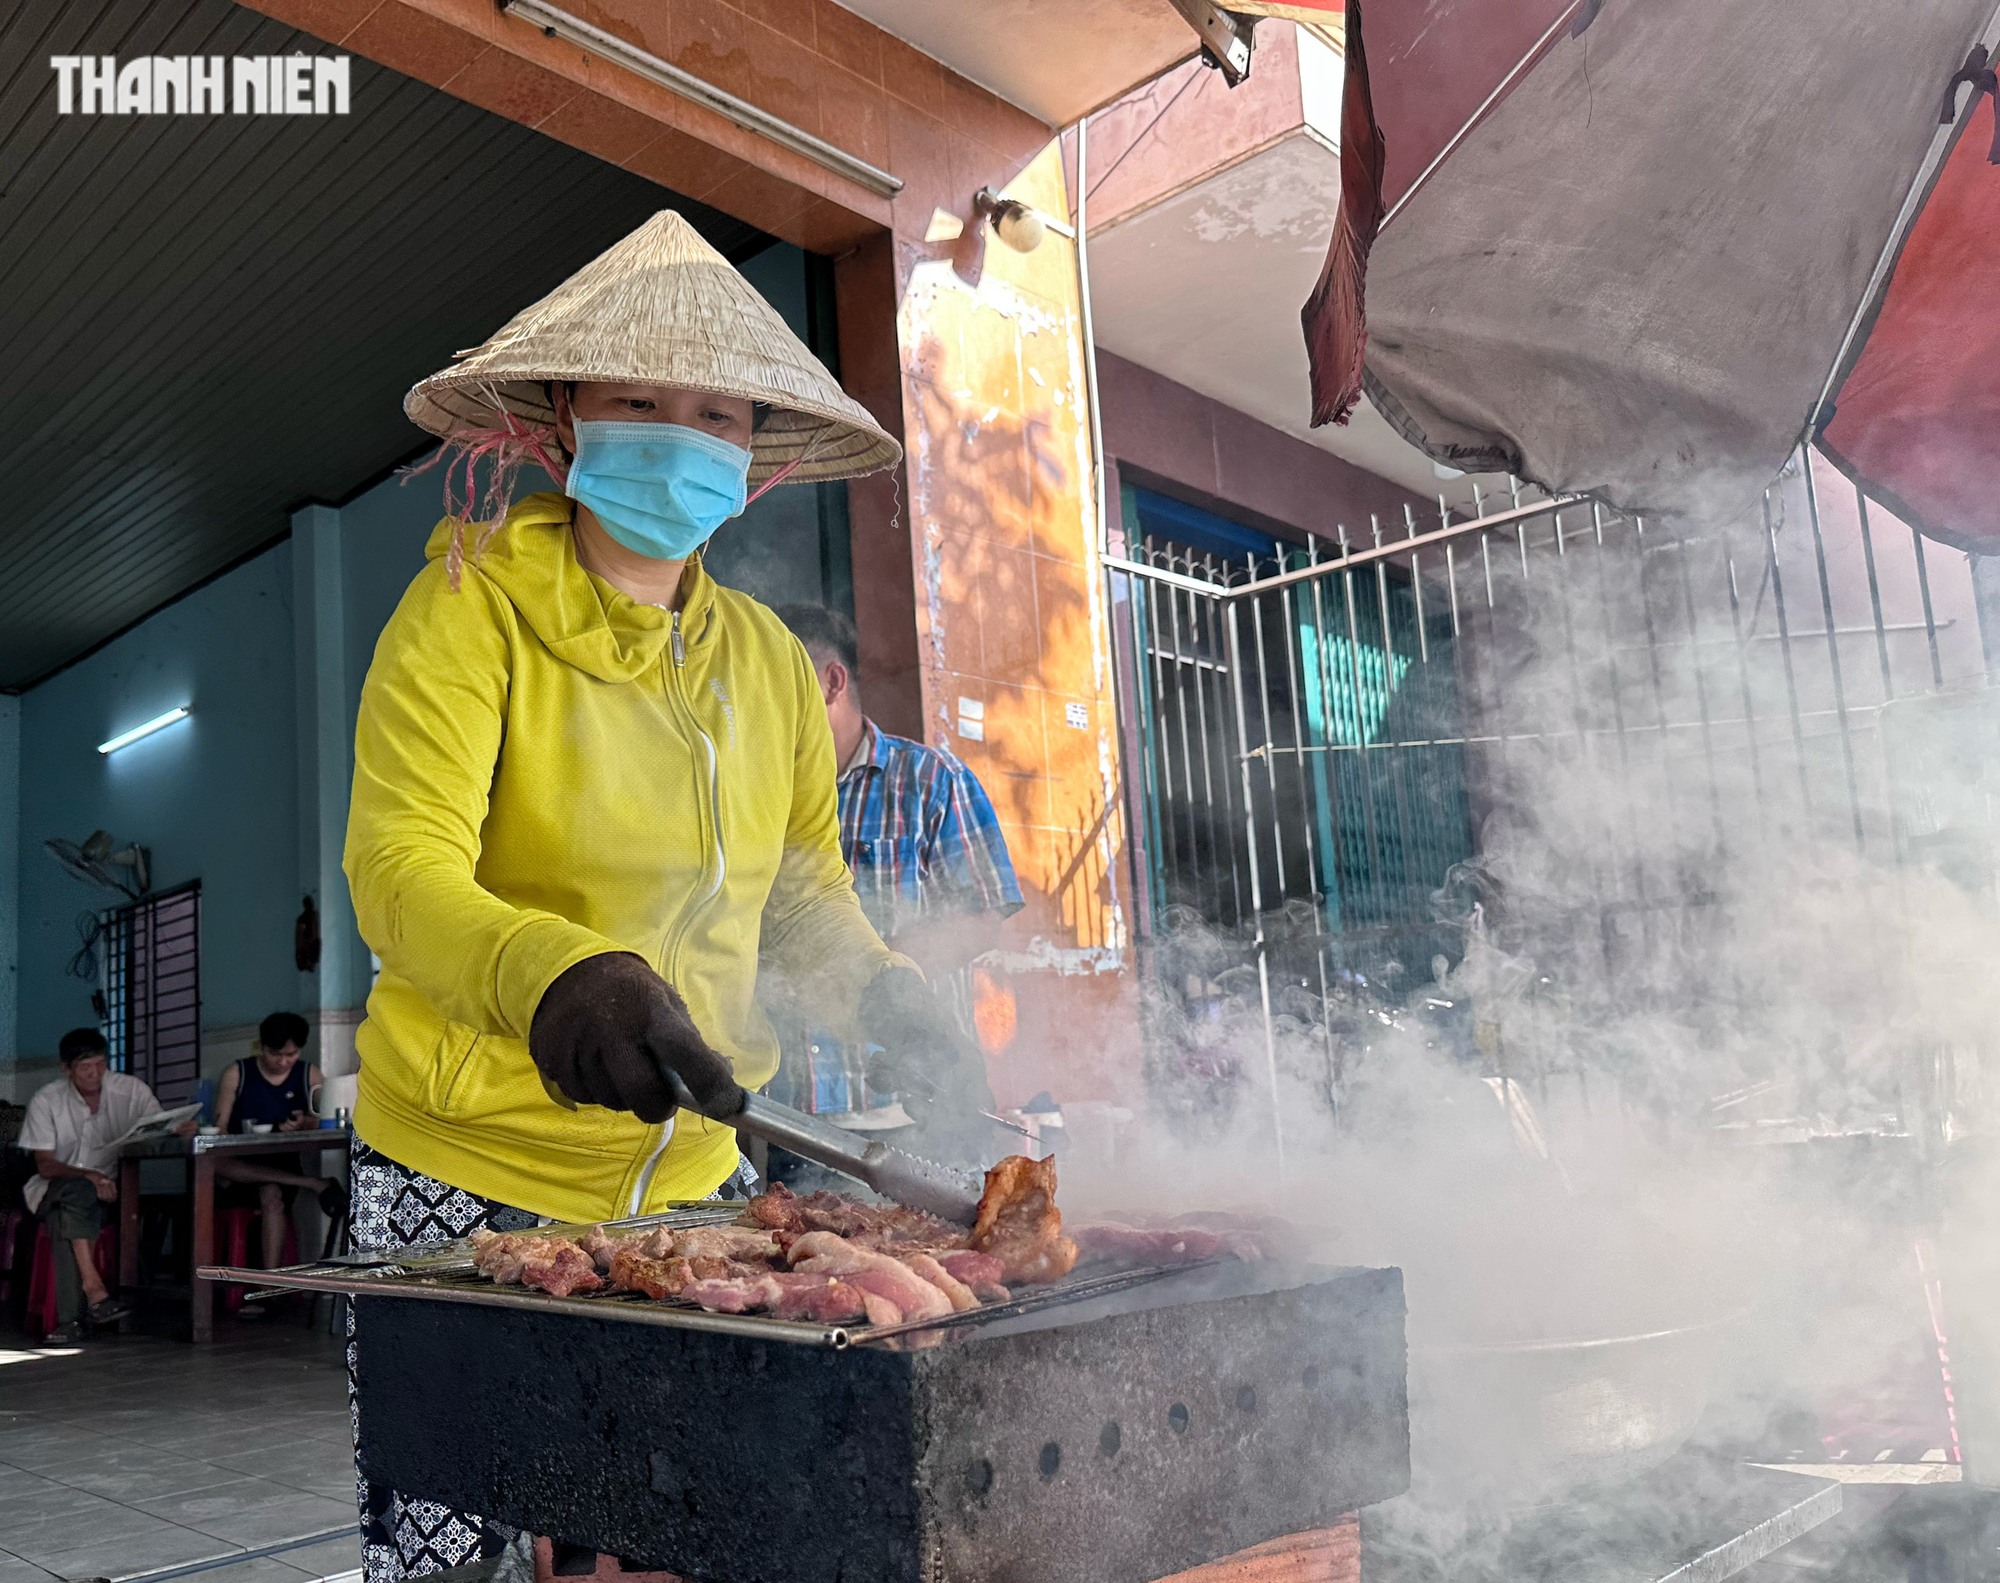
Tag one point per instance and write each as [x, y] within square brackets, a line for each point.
[544, 770]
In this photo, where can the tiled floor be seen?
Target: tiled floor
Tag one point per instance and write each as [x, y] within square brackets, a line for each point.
[134, 1455]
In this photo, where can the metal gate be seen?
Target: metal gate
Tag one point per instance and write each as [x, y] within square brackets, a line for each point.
[152, 991]
[1333, 742]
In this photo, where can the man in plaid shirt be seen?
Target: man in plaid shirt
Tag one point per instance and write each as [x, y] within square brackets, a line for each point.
[929, 862]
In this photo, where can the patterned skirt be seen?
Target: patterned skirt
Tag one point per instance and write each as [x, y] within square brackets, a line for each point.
[402, 1537]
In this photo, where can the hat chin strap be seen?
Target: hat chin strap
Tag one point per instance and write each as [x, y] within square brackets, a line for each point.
[775, 479]
[504, 447]
[812, 449]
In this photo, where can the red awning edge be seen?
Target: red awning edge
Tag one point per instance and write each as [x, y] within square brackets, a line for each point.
[1335, 315]
[1916, 422]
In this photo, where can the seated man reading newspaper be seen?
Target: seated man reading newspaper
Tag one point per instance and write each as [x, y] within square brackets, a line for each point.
[74, 1128]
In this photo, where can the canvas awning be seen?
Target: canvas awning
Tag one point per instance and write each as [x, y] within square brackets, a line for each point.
[1917, 422]
[1623, 246]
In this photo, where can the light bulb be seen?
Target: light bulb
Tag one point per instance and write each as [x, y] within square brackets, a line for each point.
[1020, 227]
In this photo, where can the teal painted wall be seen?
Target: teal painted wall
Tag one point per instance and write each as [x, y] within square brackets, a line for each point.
[214, 797]
[220, 796]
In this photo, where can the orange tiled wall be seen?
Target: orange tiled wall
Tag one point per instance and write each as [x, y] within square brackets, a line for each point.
[1014, 649]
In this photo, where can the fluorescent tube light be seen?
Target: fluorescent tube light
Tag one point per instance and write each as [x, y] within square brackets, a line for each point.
[159, 723]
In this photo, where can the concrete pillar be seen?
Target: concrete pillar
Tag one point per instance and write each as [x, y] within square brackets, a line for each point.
[1013, 643]
[331, 998]
[885, 591]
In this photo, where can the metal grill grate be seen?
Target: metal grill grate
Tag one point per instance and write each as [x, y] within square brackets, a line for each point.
[443, 1272]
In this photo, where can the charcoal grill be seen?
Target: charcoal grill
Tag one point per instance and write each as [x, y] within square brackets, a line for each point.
[1115, 1428]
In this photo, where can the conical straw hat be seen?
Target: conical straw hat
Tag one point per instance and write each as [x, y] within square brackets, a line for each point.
[662, 307]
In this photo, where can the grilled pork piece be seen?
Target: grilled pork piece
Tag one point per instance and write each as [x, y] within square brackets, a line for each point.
[727, 1296]
[774, 1209]
[725, 1242]
[495, 1255]
[824, 1299]
[1019, 1223]
[890, 1227]
[556, 1265]
[601, 1245]
[533, 1258]
[956, 1292]
[635, 1270]
[980, 1271]
[788, 1295]
[823, 1253]
[1164, 1245]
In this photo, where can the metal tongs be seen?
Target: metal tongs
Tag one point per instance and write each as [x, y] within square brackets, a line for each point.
[940, 1190]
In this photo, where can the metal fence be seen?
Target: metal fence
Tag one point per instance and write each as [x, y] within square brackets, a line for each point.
[1329, 741]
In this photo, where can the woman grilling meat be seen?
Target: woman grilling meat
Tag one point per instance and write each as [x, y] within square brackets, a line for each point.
[591, 786]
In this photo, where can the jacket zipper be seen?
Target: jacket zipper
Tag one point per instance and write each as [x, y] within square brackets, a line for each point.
[679, 646]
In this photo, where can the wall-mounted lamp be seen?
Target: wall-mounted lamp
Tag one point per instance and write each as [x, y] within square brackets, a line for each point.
[1019, 226]
[125, 739]
[1226, 38]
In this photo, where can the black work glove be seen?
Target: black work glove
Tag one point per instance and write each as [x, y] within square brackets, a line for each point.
[932, 1067]
[608, 1032]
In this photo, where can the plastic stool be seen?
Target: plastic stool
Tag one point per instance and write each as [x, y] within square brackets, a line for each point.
[40, 1318]
[236, 1227]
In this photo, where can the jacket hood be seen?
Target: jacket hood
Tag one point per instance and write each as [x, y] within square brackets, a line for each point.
[579, 617]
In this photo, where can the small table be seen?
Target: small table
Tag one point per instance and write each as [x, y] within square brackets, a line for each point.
[203, 1150]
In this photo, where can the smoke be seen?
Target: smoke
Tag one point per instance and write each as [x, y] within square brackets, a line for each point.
[1706, 1046]
[777, 550]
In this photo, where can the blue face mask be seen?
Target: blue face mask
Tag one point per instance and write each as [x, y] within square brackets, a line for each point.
[659, 489]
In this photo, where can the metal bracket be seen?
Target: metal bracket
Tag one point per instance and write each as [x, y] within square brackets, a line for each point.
[1225, 37]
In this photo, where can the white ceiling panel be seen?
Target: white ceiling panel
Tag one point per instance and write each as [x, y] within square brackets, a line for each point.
[1205, 288]
[1056, 59]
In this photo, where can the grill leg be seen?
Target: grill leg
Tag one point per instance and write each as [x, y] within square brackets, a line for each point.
[556, 1563]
